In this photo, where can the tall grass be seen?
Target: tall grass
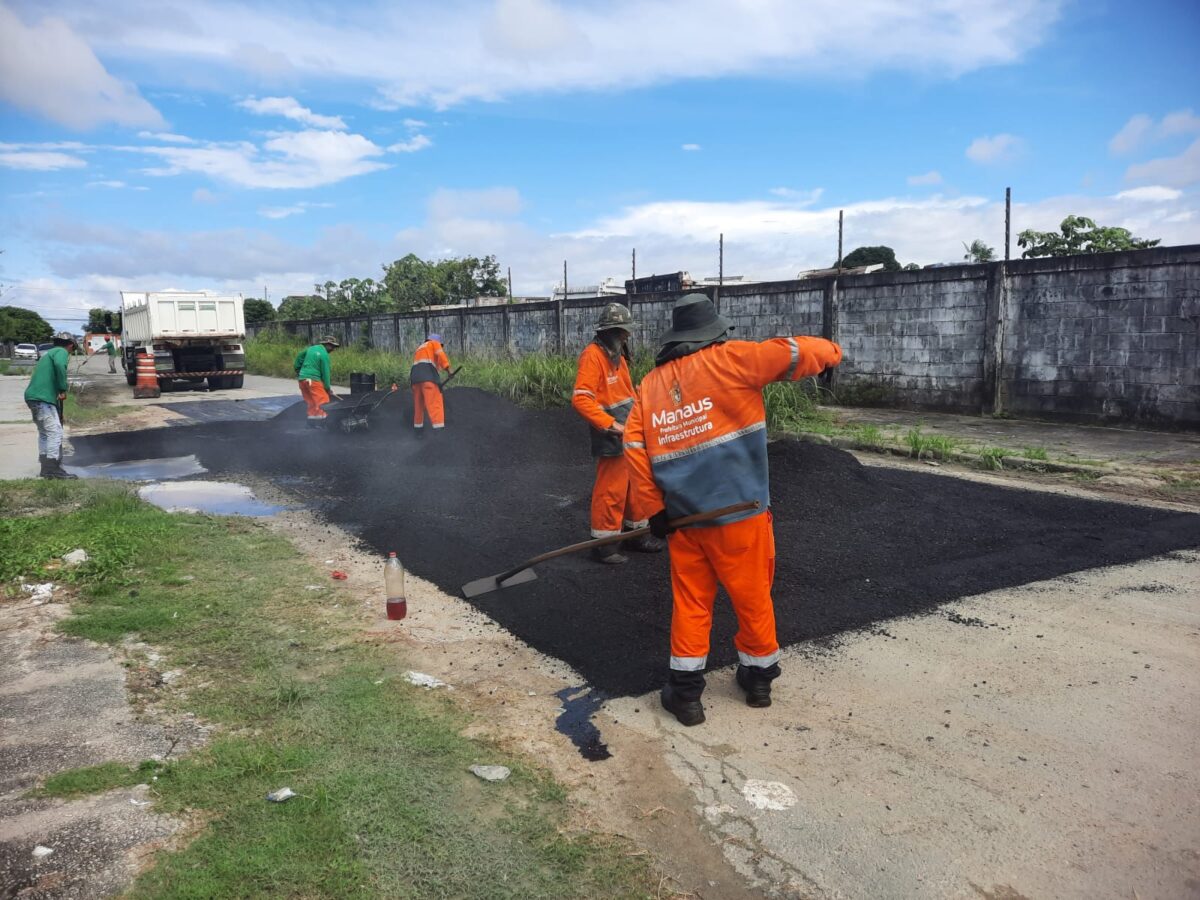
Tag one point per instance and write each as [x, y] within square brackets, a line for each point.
[537, 381]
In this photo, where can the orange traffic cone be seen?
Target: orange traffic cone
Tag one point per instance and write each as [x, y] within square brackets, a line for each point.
[147, 380]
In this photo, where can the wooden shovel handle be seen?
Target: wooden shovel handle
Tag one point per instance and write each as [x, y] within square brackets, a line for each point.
[637, 532]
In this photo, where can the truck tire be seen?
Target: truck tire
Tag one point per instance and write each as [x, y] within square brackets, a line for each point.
[130, 377]
[234, 381]
[218, 382]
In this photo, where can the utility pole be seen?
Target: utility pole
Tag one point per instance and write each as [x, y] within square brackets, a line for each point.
[720, 268]
[840, 214]
[1007, 219]
[510, 293]
[564, 281]
[635, 270]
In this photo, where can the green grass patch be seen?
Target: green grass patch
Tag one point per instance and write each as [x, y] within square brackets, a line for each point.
[386, 806]
[88, 408]
[868, 437]
[1038, 453]
[934, 446]
[95, 779]
[992, 458]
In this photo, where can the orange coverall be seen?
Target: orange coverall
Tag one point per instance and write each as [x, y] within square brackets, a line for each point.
[697, 440]
[425, 380]
[604, 395]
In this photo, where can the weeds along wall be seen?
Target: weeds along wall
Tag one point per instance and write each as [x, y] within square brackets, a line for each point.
[1107, 337]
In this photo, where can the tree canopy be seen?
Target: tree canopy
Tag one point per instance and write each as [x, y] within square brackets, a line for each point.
[23, 326]
[258, 311]
[978, 252]
[869, 256]
[1079, 234]
[408, 283]
[101, 320]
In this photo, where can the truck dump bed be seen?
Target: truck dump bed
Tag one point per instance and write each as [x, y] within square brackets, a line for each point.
[181, 315]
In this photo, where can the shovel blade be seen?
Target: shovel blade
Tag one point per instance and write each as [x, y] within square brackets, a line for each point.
[491, 583]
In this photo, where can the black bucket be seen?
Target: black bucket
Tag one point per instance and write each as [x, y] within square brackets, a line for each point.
[362, 382]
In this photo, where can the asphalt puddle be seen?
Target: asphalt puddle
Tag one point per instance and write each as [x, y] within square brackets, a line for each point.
[579, 704]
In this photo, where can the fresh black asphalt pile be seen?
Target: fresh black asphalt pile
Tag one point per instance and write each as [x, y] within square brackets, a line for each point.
[500, 484]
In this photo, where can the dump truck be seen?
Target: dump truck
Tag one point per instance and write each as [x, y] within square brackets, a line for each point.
[194, 336]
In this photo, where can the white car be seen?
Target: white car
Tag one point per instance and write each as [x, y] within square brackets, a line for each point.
[25, 351]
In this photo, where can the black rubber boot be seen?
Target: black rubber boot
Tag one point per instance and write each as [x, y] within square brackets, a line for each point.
[609, 554]
[756, 682]
[681, 697]
[52, 468]
[646, 543]
[43, 462]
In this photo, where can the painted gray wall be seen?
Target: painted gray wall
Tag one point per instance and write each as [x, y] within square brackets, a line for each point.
[1111, 337]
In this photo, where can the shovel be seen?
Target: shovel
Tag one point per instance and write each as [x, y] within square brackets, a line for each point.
[524, 572]
[449, 378]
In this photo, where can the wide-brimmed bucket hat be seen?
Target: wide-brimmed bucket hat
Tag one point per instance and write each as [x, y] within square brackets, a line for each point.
[694, 318]
[330, 340]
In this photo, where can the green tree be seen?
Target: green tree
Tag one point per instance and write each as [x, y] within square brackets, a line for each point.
[978, 252]
[258, 311]
[869, 256]
[412, 283]
[100, 320]
[1079, 234]
[23, 326]
[304, 306]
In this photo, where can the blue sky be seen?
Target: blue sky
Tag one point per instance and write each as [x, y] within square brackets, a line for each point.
[241, 146]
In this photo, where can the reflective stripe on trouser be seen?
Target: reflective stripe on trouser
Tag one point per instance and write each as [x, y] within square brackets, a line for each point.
[612, 498]
[427, 398]
[49, 428]
[314, 395]
[741, 556]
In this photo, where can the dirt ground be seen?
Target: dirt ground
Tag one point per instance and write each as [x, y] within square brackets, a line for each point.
[1008, 708]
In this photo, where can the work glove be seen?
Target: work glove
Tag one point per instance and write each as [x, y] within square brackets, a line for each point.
[660, 526]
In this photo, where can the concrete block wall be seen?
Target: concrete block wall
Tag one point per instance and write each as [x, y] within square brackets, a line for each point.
[914, 339]
[1102, 338]
[1109, 338]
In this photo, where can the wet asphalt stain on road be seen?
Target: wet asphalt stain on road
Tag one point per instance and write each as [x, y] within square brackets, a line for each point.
[856, 545]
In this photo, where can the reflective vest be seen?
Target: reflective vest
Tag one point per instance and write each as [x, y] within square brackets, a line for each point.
[603, 395]
[426, 361]
[697, 437]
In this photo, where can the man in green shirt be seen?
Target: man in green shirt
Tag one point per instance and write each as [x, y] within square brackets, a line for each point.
[312, 371]
[44, 397]
[111, 349]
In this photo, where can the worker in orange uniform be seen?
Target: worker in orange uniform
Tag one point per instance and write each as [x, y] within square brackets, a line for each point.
[695, 441]
[313, 373]
[429, 362]
[604, 396]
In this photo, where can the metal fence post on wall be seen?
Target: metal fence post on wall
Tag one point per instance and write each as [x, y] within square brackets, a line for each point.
[994, 323]
[830, 314]
[720, 270]
[839, 262]
[1007, 219]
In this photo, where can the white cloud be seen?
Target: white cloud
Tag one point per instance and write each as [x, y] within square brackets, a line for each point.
[115, 185]
[1150, 193]
[203, 195]
[690, 147]
[280, 212]
[300, 159]
[764, 239]
[1172, 171]
[39, 160]
[412, 145]
[1131, 135]
[50, 70]
[296, 209]
[995, 149]
[289, 108]
[512, 47]
[798, 197]
[166, 137]
[1142, 129]
[933, 177]
[414, 124]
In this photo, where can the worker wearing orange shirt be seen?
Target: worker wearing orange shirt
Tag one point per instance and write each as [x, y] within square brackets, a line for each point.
[604, 396]
[695, 441]
[429, 362]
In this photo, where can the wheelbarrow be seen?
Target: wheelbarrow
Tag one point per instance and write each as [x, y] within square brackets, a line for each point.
[353, 414]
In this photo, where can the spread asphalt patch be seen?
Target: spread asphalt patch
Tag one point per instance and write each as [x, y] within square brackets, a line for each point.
[856, 545]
